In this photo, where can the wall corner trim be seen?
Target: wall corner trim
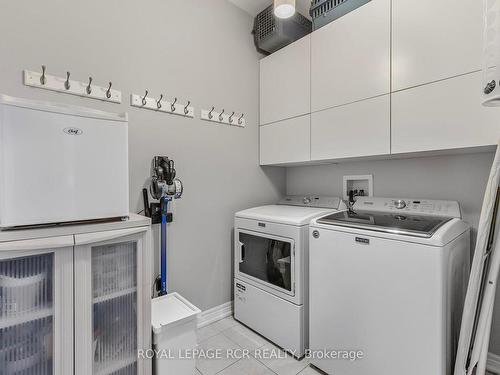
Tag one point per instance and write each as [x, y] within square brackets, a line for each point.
[215, 313]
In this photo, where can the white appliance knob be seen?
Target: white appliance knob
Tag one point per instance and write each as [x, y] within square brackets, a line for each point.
[400, 204]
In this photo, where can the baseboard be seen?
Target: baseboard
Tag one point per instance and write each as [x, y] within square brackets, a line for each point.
[493, 363]
[215, 313]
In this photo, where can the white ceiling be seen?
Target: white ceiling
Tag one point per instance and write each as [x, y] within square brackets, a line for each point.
[253, 7]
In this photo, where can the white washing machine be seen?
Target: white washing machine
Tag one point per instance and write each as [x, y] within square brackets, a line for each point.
[271, 268]
[388, 280]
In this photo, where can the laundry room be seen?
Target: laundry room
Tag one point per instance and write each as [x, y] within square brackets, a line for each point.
[249, 187]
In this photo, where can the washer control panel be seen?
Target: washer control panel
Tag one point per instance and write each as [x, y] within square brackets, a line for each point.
[410, 206]
[311, 201]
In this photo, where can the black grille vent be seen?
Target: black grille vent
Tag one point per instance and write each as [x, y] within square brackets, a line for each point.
[265, 23]
[272, 33]
[325, 11]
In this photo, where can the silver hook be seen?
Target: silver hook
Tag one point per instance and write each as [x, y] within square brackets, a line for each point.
[186, 108]
[66, 84]
[89, 89]
[220, 116]
[144, 98]
[158, 103]
[43, 80]
[231, 118]
[172, 107]
[240, 120]
[210, 116]
[108, 91]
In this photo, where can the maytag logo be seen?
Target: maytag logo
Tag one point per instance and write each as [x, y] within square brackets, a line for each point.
[365, 241]
[73, 131]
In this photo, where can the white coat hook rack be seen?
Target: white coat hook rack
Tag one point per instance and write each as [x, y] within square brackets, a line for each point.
[223, 117]
[160, 105]
[42, 80]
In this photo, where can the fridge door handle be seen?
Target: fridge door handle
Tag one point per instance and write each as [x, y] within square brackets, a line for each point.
[90, 238]
[241, 252]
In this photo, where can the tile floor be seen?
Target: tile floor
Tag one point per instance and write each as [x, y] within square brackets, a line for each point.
[228, 334]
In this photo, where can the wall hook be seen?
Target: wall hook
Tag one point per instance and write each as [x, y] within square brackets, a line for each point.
[108, 91]
[89, 89]
[172, 107]
[144, 98]
[240, 120]
[67, 84]
[220, 116]
[231, 118]
[186, 108]
[158, 103]
[210, 116]
[43, 79]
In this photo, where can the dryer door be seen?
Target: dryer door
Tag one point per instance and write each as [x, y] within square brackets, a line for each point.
[267, 260]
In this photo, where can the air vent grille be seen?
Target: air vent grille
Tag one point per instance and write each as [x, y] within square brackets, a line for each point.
[265, 23]
[325, 11]
[273, 33]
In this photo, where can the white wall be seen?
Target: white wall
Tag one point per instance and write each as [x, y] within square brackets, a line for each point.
[194, 49]
[461, 177]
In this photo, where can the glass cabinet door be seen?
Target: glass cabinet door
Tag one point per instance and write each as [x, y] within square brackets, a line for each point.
[36, 306]
[267, 259]
[27, 315]
[109, 286]
[114, 308]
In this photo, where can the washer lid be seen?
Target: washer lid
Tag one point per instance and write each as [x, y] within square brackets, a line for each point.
[283, 214]
[404, 224]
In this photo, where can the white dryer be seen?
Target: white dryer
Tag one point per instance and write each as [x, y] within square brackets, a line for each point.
[271, 254]
[389, 280]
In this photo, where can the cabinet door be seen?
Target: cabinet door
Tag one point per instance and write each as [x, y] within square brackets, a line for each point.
[286, 141]
[443, 115]
[350, 57]
[352, 130]
[36, 307]
[285, 78]
[434, 40]
[112, 302]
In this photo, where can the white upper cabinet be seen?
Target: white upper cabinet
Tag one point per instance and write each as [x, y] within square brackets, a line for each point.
[285, 82]
[443, 115]
[286, 141]
[352, 130]
[350, 57]
[434, 40]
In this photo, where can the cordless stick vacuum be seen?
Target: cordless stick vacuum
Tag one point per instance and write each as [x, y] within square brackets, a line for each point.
[165, 187]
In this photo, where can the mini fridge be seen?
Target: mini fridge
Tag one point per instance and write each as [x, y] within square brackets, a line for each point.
[61, 163]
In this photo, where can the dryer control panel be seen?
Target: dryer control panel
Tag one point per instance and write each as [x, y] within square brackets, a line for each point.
[410, 206]
[312, 201]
